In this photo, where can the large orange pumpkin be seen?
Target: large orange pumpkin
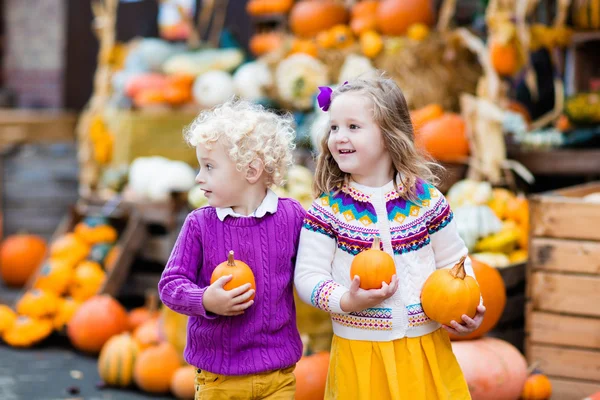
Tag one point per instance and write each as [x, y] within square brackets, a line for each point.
[395, 16]
[311, 376]
[241, 272]
[117, 359]
[96, 321]
[263, 43]
[449, 293]
[155, 367]
[444, 138]
[309, 17]
[373, 266]
[425, 114]
[182, 383]
[20, 257]
[493, 293]
[537, 387]
[493, 368]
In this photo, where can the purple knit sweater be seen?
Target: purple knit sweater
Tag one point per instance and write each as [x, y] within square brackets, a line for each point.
[265, 337]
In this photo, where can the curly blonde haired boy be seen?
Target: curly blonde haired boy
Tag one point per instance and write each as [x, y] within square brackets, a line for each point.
[243, 337]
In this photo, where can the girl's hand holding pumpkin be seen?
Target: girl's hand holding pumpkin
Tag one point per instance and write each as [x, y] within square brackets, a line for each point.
[227, 302]
[468, 324]
[358, 299]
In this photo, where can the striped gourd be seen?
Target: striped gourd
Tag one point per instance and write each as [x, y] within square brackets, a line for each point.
[116, 361]
[586, 14]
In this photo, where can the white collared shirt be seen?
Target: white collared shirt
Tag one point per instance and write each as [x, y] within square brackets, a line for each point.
[268, 205]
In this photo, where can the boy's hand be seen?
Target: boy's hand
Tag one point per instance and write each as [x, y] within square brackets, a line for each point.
[227, 302]
[358, 299]
[468, 325]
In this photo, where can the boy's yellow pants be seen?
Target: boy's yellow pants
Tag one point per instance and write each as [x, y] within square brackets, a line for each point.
[272, 385]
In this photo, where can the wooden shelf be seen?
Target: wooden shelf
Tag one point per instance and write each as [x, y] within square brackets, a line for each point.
[568, 162]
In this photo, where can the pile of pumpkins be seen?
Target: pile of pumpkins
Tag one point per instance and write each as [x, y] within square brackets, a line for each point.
[58, 279]
[493, 222]
[322, 25]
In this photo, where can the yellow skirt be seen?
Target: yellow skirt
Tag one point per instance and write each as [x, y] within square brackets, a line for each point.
[421, 368]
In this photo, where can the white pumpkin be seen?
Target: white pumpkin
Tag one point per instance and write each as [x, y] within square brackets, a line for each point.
[469, 192]
[252, 79]
[298, 78]
[155, 178]
[213, 88]
[475, 222]
[355, 66]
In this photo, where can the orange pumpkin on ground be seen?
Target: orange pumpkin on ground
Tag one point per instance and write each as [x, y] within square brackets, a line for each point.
[182, 383]
[27, 331]
[447, 294]
[38, 303]
[20, 257]
[117, 359]
[493, 293]
[241, 272]
[311, 376]
[537, 387]
[139, 315]
[493, 368]
[96, 321]
[66, 309]
[395, 16]
[444, 138]
[373, 266]
[154, 368]
[308, 18]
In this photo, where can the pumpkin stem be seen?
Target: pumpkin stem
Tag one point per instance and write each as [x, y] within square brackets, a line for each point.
[151, 301]
[376, 243]
[458, 271]
[230, 259]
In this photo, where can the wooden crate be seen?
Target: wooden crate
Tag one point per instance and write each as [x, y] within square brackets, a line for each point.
[563, 290]
[131, 235]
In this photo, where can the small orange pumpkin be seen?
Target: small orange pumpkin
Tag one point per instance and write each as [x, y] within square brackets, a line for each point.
[96, 321]
[504, 57]
[38, 303]
[449, 293]
[69, 247]
[537, 387]
[139, 315]
[87, 280]
[94, 230]
[371, 43]
[176, 95]
[241, 272]
[55, 276]
[27, 331]
[20, 257]
[306, 46]
[373, 266]
[308, 18]
[517, 209]
[7, 318]
[342, 36]
[263, 43]
[182, 383]
[262, 7]
[444, 138]
[66, 309]
[155, 367]
[150, 97]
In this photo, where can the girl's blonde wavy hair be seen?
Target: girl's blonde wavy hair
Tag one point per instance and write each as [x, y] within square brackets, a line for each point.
[249, 132]
[391, 114]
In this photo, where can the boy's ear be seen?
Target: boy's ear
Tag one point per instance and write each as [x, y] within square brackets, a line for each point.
[255, 171]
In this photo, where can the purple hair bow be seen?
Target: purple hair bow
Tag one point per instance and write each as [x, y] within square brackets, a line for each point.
[324, 97]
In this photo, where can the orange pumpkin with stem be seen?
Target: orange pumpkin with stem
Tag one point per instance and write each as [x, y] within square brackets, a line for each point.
[537, 387]
[493, 293]
[449, 293]
[139, 315]
[373, 266]
[240, 271]
[20, 256]
[444, 138]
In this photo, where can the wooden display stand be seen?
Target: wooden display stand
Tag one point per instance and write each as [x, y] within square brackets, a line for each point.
[563, 296]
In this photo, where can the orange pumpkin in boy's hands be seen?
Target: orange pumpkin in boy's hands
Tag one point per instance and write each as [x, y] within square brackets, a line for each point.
[240, 272]
[449, 293]
[373, 266]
